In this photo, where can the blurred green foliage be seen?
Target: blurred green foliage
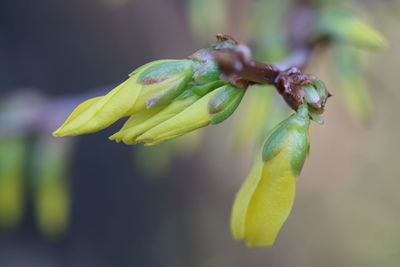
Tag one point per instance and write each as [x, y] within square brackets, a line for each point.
[207, 17]
[12, 181]
[50, 185]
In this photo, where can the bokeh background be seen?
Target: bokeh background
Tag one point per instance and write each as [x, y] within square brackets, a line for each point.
[86, 201]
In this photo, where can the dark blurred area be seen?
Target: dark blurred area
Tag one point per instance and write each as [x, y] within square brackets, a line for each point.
[97, 203]
[68, 47]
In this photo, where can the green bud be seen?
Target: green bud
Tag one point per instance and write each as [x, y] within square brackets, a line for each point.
[322, 91]
[316, 95]
[290, 135]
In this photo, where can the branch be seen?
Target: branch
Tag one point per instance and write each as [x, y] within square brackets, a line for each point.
[239, 69]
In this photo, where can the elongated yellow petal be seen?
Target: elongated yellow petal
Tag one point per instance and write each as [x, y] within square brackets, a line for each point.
[163, 139]
[81, 108]
[271, 202]
[242, 200]
[100, 112]
[133, 121]
[129, 135]
[153, 85]
[194, 117]
[264, 202]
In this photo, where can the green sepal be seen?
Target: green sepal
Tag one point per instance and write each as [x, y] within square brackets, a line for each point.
[185, 94]
[223, 104]
[178, 72]
[152, 63]
[301, 149]
[158, 71]
[292, 135]
[207, 72]
[204, 89]
[169, 93]
[207, 54]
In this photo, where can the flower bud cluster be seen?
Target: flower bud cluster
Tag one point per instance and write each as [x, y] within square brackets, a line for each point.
[163, 99]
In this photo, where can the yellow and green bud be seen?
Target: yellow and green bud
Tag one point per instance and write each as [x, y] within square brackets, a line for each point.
[148, 96]
[264, 201]
[141, 122]
[154, 84]
[212, 108]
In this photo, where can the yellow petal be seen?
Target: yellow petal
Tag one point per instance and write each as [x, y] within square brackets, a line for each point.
[162, 140]
[192, 118]
[242, 200]
[81, 108]
[100, 112]
[133, 121]
[130, 134]
[264, 201]
[271, 202]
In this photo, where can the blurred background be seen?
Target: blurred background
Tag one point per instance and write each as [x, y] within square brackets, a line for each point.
[86, 201]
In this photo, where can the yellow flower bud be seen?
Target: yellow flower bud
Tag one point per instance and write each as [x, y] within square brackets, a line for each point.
[97, 113]
[153, 84]
[212, 108]
[194, 117]
[263, 203]
[265, 200]
[132, 130]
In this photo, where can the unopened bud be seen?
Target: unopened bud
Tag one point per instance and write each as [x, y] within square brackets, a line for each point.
[265, 200]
